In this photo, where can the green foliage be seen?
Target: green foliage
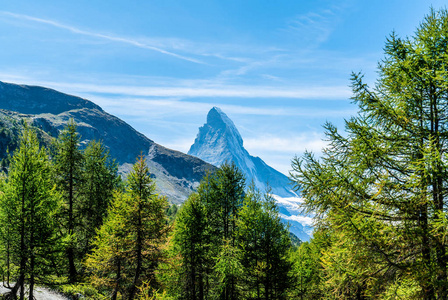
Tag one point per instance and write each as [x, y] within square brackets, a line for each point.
[86, 290]
[191, 238]
[171, 213]
[380, 189]
[264, 243]
[68, 160]
[228, 271]
[28, 206]
[232, 244]
[99, 180]
[307, 270]
[128, 247]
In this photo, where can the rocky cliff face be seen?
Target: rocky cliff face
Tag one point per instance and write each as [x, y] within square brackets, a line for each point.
[219, 141]
[177, 174]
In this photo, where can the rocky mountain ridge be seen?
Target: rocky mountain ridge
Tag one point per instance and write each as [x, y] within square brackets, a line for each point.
[219, 141]
[176, 173]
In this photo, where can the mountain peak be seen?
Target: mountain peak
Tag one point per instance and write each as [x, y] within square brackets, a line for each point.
[216, 118]
[219, 141]
[30, 99]
[218, 121]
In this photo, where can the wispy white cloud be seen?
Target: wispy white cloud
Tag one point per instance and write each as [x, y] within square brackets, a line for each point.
[307, 221]
[124, 40]
[235, 91]
[172, 106]
[315, 27]
[299, 143]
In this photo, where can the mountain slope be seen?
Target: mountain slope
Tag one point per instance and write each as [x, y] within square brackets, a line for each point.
[219, 141]
[176, 173]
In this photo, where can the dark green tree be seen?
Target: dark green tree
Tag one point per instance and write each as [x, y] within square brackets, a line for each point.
[99, 180]
[28, 206]
[265, 245]
[68, 160]
[382, 185]
[190, 239]
[222, 194]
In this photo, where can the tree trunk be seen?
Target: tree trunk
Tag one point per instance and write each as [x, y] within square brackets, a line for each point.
[427, 287]
[31, 295]
[70, 250]
[12, 295]
[133, 289]
[22, 246]
[117, 280]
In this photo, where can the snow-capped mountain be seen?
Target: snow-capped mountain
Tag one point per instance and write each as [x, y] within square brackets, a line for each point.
[219, 141]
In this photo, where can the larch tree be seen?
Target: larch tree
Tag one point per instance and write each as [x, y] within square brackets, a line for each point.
[128, 246]
[28, 205]
[222, 194]
[68, 160]
[383, 184]
[107, 263]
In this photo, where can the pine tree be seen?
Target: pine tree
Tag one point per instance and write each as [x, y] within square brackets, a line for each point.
[28, 206]
[383, 184]
[68, 172]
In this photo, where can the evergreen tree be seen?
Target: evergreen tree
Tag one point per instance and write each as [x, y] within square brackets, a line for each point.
[128, 247]
[307, 270]
[265, 244]
[108, 260]
[222, 194]
[68, 172]
[382, 185]
[190, 238]
[28, 205]
[99, 180]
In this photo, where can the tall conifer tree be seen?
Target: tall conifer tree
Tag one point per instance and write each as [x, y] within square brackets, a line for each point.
[99, 180]
[128, 247]
[265, 244]
[191, 240]
[68, 171]
[383, 184]
[28, 206]
[222, 194]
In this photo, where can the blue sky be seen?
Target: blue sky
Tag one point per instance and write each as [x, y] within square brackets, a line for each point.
[279, 69]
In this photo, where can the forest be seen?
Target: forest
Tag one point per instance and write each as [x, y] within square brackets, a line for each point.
[69, 221]
[378, 193]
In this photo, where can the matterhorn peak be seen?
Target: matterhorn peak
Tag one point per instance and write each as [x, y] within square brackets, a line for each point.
[219, 121]
[219, 141]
